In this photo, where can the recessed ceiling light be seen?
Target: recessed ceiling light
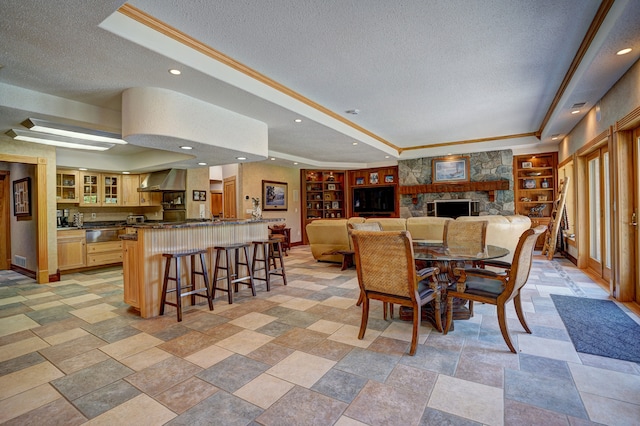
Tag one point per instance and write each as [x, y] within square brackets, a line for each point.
[272, 158]
[202, 164]
[295, 163]
[125, 173]
[298, 120]
[575, 111]
[353, 111]
[554, 137]
[82, 169]
[623, 51]
[241, 158]
[175, 71]
[386, 156]
[186, 147]
[354, 143]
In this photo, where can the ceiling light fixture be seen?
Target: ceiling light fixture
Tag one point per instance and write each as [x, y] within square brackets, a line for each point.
[241, 158]
[575, 111]
[623, 51]
[295, 163]
[186, 147]
[174, 71]
[126, 173]
[44, 126]
[555, 137]
[298, 120]
[82, 169]
[273, 159]
[354, 143]
[354, 111]
[202, 164]
[59, 141]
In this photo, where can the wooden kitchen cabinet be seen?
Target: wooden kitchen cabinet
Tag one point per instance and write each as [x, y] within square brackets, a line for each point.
[130, 194]
[149, 198]
[100, 189]
[67, 186]
[130, 270]
[104, 253]
[71, 249]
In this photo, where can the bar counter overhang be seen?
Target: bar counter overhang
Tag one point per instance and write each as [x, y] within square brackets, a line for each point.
[143, 263]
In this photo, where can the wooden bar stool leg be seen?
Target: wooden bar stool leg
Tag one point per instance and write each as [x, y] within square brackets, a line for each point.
[248, 265]
[205, 277]
[178, 290]
[164, 285]
[230, 274]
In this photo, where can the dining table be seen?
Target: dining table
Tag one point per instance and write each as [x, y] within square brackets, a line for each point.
[448, 259]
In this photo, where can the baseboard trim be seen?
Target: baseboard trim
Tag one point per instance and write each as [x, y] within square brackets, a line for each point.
[24, 271]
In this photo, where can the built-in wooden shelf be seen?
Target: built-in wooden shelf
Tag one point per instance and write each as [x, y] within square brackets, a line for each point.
[488, 186]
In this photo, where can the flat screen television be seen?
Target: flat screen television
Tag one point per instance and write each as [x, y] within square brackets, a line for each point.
[379, 199]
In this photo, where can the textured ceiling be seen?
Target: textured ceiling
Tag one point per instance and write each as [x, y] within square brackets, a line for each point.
[427, 76]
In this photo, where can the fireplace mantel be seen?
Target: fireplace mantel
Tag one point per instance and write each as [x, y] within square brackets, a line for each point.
[489, 186]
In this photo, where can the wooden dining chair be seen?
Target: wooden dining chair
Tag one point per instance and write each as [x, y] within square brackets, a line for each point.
[469, 236]
[482, 285]
[386, 272]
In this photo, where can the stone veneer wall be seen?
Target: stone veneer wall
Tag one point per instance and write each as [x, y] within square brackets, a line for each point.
[484, 166]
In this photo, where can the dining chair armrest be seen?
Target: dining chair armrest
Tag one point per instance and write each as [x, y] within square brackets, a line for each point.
[484, 273]
[428, 272]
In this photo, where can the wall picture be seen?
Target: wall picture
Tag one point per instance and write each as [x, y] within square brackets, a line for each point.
[373, 177]
[455, 169]
[22, 197]
[274, 195]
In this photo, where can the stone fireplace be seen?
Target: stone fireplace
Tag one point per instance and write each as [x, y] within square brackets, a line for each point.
[484, 167]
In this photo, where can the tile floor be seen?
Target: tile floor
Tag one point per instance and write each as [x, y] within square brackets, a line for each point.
[73, 353]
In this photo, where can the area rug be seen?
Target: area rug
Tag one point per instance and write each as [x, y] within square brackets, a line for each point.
[599, 327]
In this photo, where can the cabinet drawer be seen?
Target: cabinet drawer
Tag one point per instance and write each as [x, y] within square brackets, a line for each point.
[104, 247]
[104, 258]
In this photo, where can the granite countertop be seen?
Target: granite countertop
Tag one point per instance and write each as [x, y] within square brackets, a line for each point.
[197, 223]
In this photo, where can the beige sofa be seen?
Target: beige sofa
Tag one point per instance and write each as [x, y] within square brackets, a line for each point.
[327, 235]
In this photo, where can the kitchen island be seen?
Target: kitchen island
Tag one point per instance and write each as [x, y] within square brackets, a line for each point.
[143, 264]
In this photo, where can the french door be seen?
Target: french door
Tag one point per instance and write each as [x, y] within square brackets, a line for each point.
[599, 212]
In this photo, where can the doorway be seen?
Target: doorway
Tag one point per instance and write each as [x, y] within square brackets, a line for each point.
[216, 204]
[5, 232]
[599, 212]
[229, 197]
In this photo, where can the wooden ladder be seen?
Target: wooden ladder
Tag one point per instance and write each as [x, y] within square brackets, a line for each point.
[551, 236]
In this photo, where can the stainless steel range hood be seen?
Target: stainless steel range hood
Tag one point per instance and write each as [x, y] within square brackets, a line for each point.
[165, 180]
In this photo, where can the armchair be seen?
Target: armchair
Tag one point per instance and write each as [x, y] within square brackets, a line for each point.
[386, 272]
[481, 285]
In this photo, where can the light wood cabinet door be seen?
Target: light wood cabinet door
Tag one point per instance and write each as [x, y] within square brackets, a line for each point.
[111, 190]
[130, 270]
[130, 195]
[89, 189]
[67, 186]
[71, 249]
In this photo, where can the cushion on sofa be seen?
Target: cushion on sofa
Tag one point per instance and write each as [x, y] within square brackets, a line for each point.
[427, 228]
[390, 223]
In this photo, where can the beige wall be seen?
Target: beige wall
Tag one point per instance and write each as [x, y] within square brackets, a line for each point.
[10, 147]
[197, 180]
[24, 231]
[251, 185]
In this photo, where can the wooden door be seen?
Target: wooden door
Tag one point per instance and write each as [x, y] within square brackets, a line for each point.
[229, 197]
[216, 204]
[5, 240]
[599, 212]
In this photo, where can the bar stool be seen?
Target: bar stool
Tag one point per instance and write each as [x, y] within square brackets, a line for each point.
[232, 273]
[269, 257]
[193, 291]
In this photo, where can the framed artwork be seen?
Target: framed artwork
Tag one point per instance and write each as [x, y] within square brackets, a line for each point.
[274, 195]
[22, 197]
[388, 179]
[454, 169]
[199, 195]
[360, 181]
[527, 164]
[335, 205]
[331, 187]
[373, 177]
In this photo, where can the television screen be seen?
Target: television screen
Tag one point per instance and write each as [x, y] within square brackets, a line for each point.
[380, 199]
